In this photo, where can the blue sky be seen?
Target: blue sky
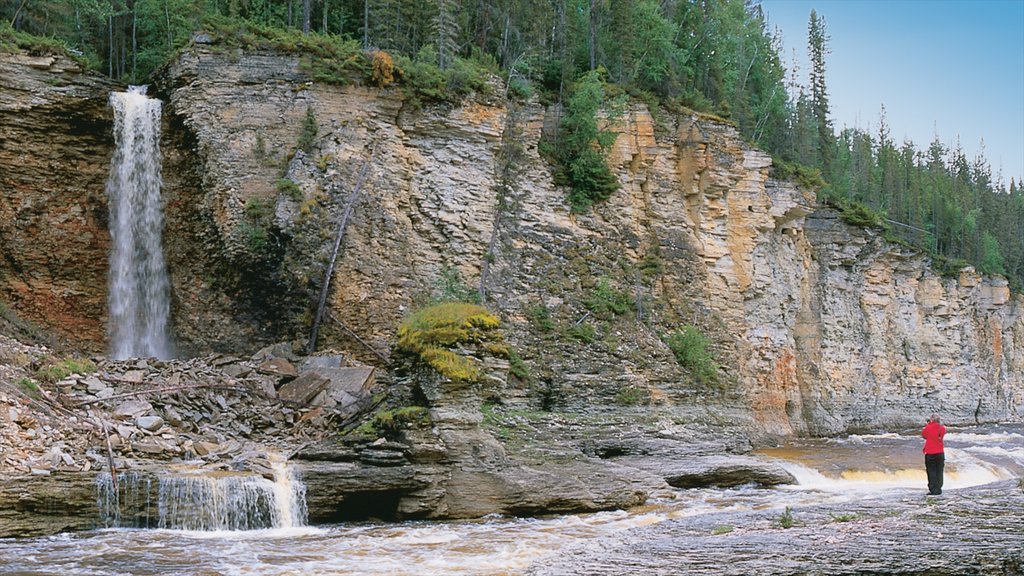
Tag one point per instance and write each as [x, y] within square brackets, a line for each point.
[947, 67]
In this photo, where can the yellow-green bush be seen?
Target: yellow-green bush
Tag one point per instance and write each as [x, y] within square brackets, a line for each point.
[428, 332]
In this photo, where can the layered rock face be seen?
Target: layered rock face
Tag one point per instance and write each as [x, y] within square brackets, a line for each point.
[55, 147]
[823, 328]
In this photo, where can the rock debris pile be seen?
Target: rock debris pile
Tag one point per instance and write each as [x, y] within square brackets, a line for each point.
[219, 409]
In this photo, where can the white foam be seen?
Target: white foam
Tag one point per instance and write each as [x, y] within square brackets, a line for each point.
[973, 438]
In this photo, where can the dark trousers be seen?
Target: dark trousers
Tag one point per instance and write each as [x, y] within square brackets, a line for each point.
[934, 463]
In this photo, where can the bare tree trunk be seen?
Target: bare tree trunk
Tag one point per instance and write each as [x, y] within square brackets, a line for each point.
[306, 12]
[366, 24]
[14, 21]
[167, 18]
[593, 34]
[110, 45]
[342, 224]
[135, 46]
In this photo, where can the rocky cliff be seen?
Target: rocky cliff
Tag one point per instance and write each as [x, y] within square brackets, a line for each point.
[821, 328]
[55, 148]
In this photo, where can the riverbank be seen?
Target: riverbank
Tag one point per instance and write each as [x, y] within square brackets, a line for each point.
[976, 531]
[66, 421]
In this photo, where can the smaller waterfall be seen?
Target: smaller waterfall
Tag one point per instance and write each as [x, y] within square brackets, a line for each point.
[204, 501]
[139, 300]
[128, 504]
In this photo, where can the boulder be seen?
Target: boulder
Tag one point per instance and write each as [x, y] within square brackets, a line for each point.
[303, 389]
[149, 423]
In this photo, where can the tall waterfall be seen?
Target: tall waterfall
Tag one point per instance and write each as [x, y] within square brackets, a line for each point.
[139, 300]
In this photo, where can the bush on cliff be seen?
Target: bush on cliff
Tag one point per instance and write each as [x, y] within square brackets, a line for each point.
[690, 348]
[429, 334]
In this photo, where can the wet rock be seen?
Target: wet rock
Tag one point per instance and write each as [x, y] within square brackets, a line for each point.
[967, 531]
[377, 457]
[205, 448]
[709, 471]
[40, 505]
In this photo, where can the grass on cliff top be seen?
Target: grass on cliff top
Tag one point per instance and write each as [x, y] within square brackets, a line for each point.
[12, 41]
[429, 332]
[804, 176]
[336, 60]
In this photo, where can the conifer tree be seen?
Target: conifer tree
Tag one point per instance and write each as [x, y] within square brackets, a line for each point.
[817, 44]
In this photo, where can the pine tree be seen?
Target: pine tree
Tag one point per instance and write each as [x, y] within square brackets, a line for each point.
[817, 44]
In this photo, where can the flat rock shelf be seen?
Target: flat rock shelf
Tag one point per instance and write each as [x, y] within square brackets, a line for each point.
[963, 532]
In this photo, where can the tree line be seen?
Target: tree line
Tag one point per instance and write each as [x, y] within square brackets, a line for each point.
[934, 199]
[713, 56]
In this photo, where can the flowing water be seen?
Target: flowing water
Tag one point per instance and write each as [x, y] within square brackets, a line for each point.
[192, 499]
[139, 302]
[836, 470]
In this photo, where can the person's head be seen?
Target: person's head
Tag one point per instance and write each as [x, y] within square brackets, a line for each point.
[934, 418]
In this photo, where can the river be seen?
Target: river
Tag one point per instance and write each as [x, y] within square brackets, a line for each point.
[847, 469]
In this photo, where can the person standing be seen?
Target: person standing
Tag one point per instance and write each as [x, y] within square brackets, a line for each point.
[934, 453]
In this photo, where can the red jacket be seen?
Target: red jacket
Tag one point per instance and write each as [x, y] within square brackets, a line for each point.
[932, 435]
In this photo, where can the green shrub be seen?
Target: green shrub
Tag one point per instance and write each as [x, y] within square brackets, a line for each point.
[540, 317]
[519, 88]
[804, 176]
[307, 137]
[583, 332]
[631, 396]
[690, 348]
[786, 519]
[605, 301]
[258, 210]
[12, 40]
[723, 529]
[449, 287]
[842, 517]
[517, 367]
[289, 189]
[466, 76]
[256, 239]
[582, 146]
[862, 216]
[391, 422]
[651, 265]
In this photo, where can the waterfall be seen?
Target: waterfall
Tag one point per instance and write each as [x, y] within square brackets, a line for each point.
[139, 289]
[204, 501]
[124, 503]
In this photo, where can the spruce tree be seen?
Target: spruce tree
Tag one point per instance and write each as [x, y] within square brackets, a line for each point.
[817, 44]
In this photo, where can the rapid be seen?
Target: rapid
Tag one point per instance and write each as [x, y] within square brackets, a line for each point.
[851, 470]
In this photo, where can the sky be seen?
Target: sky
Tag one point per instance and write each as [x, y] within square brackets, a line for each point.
[950, 68]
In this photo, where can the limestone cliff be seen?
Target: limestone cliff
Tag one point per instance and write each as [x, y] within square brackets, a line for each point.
[822, 328]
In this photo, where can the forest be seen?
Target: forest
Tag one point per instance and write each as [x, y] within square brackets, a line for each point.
[715, 57]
